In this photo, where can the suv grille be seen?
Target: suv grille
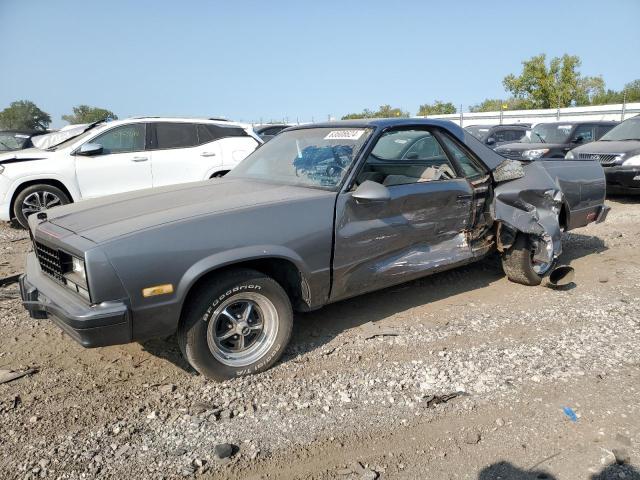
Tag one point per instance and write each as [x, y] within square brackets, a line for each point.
[51, 261]
[603, 158]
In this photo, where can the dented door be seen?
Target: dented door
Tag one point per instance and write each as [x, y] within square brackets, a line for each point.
[419, 229]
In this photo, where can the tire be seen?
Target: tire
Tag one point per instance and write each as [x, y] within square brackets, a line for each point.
[39, 197]
[220, 346]
[517, 262]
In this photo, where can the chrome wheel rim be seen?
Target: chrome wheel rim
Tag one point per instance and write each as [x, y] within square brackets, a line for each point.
[242, 329]
[38, 201]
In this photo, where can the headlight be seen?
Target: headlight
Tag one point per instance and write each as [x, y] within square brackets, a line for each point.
[76, 277]
[569, 156]
[533, 154]
[632, 161]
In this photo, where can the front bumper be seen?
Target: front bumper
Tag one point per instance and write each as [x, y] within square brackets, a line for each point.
[108, 323]
[623, 179]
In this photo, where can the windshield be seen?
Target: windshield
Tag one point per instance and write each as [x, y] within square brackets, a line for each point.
[478, 131]
[12, 141]
[71, 140]
[312, 157]
[548, 133]
[627, 130]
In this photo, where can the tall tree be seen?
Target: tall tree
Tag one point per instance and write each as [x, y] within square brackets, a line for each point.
[630, 93]
[558, 85]
[24, 115]
[385, 111]
[437, 108]
[497, 104]
[87, 114]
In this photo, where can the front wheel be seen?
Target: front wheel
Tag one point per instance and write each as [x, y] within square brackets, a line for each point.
[36, 198]
[520, 265]
[237, 324]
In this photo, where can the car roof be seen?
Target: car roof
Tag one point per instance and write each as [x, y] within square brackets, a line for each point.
[581, 122]
[383, 123]
[215, 121]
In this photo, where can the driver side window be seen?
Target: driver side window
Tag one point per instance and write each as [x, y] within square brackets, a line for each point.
[406, 156]
[123, 139]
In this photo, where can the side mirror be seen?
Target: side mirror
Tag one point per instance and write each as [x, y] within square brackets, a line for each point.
[490, 141]
[369, 191]
[578, 139]
[89, 149]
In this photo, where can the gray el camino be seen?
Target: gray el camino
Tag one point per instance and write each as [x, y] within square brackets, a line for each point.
[321, 213]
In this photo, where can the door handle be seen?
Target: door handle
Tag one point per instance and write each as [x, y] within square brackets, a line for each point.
[208, 154]
[139, 159]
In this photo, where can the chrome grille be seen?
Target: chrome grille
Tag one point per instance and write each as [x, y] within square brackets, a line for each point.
[603, 158]
[50, 261]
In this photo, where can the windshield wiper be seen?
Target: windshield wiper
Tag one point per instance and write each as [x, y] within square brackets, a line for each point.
[542, 140]
[625, 139]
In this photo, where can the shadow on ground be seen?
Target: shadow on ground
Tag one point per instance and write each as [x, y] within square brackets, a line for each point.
[507, 471]
[314, 329]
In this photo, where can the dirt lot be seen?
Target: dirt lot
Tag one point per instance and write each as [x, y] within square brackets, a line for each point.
[356, 395]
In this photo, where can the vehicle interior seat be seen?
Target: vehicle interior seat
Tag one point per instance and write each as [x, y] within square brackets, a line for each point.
[418, 174]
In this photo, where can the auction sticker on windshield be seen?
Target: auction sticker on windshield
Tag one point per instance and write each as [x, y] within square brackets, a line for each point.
[344, 135]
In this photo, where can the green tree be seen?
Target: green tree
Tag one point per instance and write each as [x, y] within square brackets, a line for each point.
[559, 84]
[630, 93]
[24, 115]
[87, 114]
[437, 108]
[385, 111]
[497, 104]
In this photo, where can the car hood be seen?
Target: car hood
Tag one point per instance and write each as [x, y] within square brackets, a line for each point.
[521, 147]
[23, 155]
[628, 147]
[106, 218]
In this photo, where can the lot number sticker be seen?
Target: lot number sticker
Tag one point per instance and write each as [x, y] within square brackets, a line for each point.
[344, 135]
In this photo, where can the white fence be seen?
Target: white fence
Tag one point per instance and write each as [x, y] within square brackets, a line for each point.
[617, 112]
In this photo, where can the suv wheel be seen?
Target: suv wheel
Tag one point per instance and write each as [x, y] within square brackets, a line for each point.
[236, 324]
[36, 198]
[519, 265]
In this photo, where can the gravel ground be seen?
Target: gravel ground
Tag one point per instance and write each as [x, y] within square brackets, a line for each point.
[458, 375]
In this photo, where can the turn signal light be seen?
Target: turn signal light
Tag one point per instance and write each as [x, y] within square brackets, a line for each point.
[157, 290]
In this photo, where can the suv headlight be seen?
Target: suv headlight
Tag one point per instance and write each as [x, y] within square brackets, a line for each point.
[569, 156]
[535, 153]
[632, 161]
[76, 277]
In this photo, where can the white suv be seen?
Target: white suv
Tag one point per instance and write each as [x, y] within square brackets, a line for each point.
[119, 156]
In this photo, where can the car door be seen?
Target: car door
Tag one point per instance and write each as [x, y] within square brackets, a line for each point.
[176, 155]
[121, 166]
[420, 227]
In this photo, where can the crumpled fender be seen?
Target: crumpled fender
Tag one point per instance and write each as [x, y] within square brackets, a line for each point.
[530, 204]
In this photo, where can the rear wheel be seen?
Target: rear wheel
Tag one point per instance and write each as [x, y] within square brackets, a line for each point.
[236, 324]
[520, 265]
[36, 198]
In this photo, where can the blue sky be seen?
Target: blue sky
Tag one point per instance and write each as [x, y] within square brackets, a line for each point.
[251, 60]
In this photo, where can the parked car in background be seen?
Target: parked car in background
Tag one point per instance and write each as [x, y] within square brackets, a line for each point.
[495, 135]
[11, 140]
[320, 213]
[267, 132]
[106, 158]
[618, 151]
[554, 140]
